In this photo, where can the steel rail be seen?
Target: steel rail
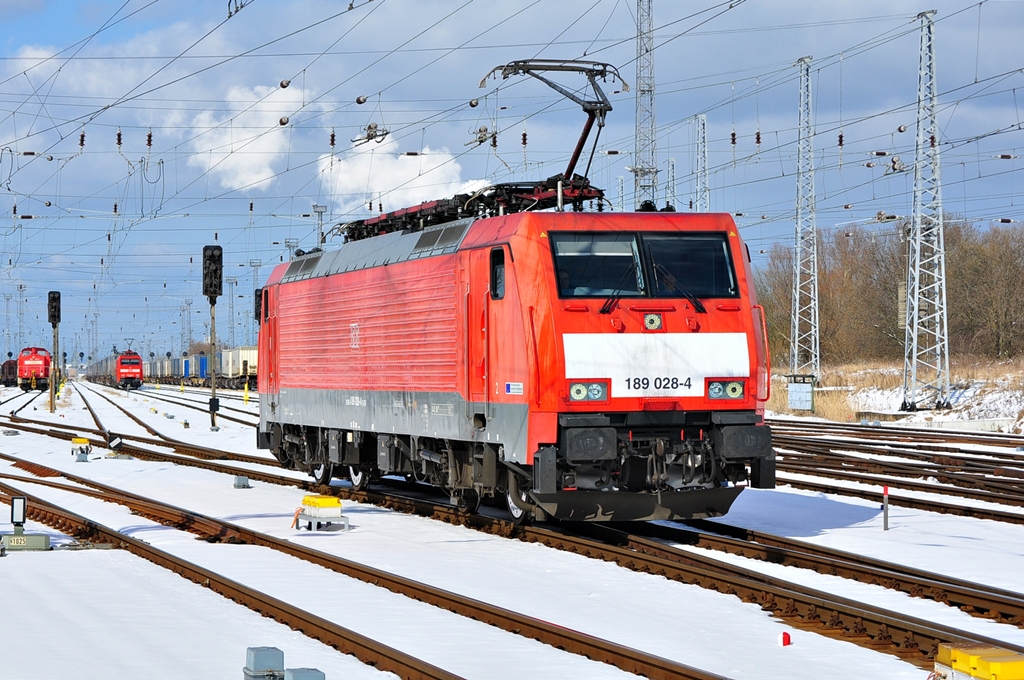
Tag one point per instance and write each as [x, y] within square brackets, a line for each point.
[873, 627]
[347, 641]
[900, 433]
[973, 511]
[814, 469]
[976, 599]
[968, 462]
[597, 649]
[955, 483]
[199, 407]
[965, 462]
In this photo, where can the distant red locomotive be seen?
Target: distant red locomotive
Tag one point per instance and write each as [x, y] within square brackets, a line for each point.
[9, 373]
[128, 370]
[34, 369]
[587, 366]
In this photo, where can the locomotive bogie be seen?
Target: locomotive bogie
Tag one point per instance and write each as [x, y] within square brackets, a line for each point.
[586, 366]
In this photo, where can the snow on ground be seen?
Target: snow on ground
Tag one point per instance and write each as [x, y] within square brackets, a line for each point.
[971, 400]
[164, 622]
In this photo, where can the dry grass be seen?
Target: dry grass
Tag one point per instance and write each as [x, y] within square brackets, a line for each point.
[834, 404]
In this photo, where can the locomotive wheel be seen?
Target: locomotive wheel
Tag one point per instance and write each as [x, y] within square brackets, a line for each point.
[360, 478]
[519, 516]
[469, 501]
[323, 473]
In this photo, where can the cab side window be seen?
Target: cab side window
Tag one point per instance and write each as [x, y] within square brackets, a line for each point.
[497, 273]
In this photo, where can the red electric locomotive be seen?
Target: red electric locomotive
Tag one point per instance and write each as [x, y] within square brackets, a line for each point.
[587, 366]
[590, 366]
[128, 370]
[34, 369]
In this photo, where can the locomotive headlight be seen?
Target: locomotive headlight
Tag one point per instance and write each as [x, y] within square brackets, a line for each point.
[652, 322]
[716, 390]
[734, 390]
[588, 391]
[578, 391]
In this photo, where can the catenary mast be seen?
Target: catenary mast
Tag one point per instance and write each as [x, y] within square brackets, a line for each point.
[645, 166]
[804, 348]
[926, 358]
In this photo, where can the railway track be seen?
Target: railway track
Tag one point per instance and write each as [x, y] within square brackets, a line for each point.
[625, 658]
[918, 436]
[185, 403]
[343, 639]
[204, 408]
[915, 641]
[976, 599]
[845, 453]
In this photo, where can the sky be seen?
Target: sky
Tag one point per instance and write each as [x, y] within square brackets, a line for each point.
[161, 625]
[244, 98]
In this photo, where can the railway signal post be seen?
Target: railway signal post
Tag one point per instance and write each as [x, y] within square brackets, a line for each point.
[53, 312]
[213, 270]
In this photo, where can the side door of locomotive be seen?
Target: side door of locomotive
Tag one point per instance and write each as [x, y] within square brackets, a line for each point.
[476, 308]
[270, 341]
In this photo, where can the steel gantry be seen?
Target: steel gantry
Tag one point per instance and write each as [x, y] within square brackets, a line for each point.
[645, 165]
[700, 122]
[804, 354]
[926, 358]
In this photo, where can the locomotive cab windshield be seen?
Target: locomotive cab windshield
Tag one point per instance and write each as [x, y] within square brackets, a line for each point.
[659, 265]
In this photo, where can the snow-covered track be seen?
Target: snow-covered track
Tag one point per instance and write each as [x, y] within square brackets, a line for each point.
[212, 529]
[344, 640]
[974, 598]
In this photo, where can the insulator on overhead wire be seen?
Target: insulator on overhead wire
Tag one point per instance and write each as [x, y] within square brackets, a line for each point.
[250, 206]
[840, 140]
[115, 208]
[524, 137]
[932, 140]
[118, 138]
[494, 139]
[149, 139]
[757, 138]
[81, 140]
[332, 138]
[380, 207]
[732, 136]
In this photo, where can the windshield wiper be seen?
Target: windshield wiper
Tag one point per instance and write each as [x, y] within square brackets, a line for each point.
[609, 304]
[670, 281]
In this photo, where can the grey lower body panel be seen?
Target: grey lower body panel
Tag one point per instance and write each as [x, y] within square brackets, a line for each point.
[623, 506]
[441, 415]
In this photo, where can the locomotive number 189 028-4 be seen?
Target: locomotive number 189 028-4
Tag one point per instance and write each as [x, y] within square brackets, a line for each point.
[659, 383]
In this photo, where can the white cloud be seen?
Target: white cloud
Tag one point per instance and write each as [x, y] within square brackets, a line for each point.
[241, 148]
[379, 172]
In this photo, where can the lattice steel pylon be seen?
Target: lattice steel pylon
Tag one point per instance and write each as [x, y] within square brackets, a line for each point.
[186, 325]
[645, 165]
[700, 122]
[926, 358]
[804, 346]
